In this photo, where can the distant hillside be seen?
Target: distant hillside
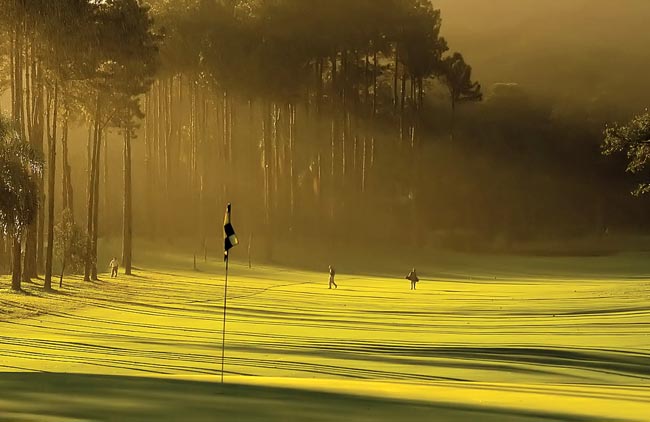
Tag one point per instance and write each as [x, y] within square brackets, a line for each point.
[579, 50]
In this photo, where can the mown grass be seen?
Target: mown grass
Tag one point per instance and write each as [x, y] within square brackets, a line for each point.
[493, 330]
[74, 397]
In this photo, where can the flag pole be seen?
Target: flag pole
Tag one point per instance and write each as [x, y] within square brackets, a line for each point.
[230, 240]
[223, 332]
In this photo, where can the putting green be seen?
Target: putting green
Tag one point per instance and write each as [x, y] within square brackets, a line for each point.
[508, 345]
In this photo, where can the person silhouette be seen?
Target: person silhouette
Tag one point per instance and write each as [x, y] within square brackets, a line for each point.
[332, 274]
[413, 277]
[114, 265]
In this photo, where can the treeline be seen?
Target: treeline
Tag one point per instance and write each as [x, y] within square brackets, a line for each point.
[331, 121]
[250, 100]
[69, 62]
[283, 105]
[340, 120]
[528, 169]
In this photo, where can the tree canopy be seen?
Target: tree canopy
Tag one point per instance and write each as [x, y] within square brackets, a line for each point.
[19, 166]
[632, 138]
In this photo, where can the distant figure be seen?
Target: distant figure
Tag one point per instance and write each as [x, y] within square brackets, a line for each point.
[114, 265]
[413, 277]
[332, 274]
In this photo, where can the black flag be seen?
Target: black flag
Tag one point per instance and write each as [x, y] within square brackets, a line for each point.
[230, 238]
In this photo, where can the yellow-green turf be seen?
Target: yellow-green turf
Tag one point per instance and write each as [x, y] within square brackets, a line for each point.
[483, 338]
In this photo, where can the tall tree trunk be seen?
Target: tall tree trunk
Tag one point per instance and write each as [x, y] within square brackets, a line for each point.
[62, 270]
[29, 75]
[33, 244]
[374, 83]
[402, 105]
[319, 182]
[154, 165]
[89, 158]
[204, 173]
[332, 181]
[345, 78]
[344, 144]
[12, 70]
[366, 78]
[319, 89]
[149, 204]
[363, 165]
[18, 74]
[104, 183]
[94, 147]
[16, 270]
[39, 110]
[395, 78]
[267, 117]
[68, 193]
[160, 148]
[127, 217]
[3, 251]
[193, 179]
[275, 161]
[29, 266]
[51, 178]
[292, 135]
[168, 141]
[334, 64]
[100, 135]
[30, 254]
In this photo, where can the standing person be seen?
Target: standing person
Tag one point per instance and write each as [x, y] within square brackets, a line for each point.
[332, 274]
[114, 265]
[413, 277]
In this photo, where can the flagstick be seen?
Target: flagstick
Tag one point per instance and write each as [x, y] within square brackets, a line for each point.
[223, 334]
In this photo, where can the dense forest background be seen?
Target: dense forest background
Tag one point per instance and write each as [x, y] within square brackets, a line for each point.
[347, 122]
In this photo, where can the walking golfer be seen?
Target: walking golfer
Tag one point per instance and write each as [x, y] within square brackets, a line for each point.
[332, 274]
[114, 265]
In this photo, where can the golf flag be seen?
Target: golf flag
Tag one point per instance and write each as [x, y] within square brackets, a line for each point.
[230, 238]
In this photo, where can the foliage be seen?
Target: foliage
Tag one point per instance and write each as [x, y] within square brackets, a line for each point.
[237, 45]
[632, 138]
[19, 164]
[419, 36]
[457, 76]
[70, 243]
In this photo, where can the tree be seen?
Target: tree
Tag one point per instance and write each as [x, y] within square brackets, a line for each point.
[632, 138]
[19, 167]
[457, 77]
[70, 245]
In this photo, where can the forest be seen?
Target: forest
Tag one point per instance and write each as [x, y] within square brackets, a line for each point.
[321, 122]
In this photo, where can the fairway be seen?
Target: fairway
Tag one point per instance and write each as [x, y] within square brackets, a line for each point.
[508, 346]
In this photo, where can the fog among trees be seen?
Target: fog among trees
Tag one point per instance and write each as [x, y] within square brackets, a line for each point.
[457, 124]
